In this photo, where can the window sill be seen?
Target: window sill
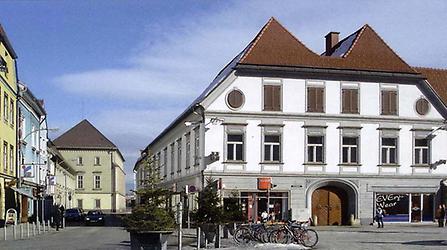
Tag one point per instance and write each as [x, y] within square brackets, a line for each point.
[272, 163]
[420, 166]
[234, 162]
[350, 113]
[390, 114]
[81, 189]
[388, 165]
[97, 189]
[316, 112]
[96, 165]
[349, 164]
[315, 163]
[265, 110]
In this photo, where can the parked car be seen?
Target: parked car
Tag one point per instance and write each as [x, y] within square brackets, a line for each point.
[95, 217]
[74, 214]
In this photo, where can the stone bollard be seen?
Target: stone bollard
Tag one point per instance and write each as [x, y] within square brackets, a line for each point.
[34, 229]
[38, 227]
[21, 230]
[27, 229]
[48, 224]
[4, 231]
[43, 224]
[14, 231]
[198, 237]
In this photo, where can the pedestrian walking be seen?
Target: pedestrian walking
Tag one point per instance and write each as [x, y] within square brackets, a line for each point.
[440, 214]
[57, 216]
[61, 216]
[379, 217]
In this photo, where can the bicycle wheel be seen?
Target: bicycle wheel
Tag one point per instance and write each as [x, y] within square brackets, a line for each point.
[242, 235]
[281, 236]
[309, 238]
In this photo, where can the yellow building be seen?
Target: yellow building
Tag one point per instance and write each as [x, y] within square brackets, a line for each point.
[8, 121]
[99, 167]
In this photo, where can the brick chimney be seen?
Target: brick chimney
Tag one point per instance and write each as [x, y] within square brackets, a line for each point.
[331, 40]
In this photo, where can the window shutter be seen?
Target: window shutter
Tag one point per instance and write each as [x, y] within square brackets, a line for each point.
[385, 102]
[276, 98]
[319, 99]
[310, 99]
[393, 102]
[268, 105]
[354, 100]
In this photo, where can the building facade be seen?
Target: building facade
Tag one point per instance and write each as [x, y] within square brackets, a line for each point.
[8, 134]
[32, 151]
[329, 137]
[99, 168]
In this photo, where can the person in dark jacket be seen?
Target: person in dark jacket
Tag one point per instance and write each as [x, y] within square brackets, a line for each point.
[441, 215]
[61, 211]
[57, 216]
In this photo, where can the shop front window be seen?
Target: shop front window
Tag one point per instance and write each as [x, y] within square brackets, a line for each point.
[274, 203]
[401, 207]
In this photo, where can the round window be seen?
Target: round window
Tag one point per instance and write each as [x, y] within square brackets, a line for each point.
[235, 99]
[422, 106]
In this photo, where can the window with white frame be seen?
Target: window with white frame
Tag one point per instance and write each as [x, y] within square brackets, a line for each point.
[5, 156]
[80, 181]
[188, 151]
[97, 161]
[421, 151]
[235, 147]
[11, 158]
[5, 107]
[165, 162]
[97, 183]
[389, 150]
[172, 158]
[350, 152]
[79, 161]
[196, 146]
[11, 111]
[272, 145]
[179, 156]
[315, 149]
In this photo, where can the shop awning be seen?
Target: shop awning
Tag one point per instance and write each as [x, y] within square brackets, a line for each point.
[26, 192]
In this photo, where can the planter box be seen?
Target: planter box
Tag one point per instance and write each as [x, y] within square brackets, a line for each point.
[149, 240]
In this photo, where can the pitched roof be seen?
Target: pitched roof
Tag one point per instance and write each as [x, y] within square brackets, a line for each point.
[437, 78]
[362, 50]
[4, 39]
[83, 136]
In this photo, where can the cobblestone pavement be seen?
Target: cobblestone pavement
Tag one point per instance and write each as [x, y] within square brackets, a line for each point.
[424, 236]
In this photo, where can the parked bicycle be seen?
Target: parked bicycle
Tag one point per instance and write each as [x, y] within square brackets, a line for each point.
[295, 232]
[250, 233]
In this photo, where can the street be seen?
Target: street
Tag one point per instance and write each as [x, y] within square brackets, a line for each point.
[425, 236]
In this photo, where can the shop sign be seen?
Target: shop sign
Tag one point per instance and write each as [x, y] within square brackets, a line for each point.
[388, 200]
[11, 216]
[264, 183]
[52, 180]
[28, 171]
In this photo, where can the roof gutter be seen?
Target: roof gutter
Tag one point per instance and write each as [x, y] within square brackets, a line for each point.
[325, 73]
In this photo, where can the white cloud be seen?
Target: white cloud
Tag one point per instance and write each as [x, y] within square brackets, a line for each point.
[175, 63]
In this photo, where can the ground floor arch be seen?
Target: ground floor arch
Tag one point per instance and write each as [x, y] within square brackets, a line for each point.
[332, 202]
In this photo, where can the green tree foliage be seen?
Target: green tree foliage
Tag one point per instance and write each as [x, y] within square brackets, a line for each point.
[210, 209]
[152, 214]
[233, 209]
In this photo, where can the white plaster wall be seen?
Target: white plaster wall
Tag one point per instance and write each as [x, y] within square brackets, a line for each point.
[369, 149]
[332, 148]
[214, 142]
[369, 99]
[408, 95]
[293, 151]
[253, 147]
[333, 95]
[405, 147]
[293, 100]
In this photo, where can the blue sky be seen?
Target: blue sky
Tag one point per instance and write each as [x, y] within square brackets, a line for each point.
[130, 67]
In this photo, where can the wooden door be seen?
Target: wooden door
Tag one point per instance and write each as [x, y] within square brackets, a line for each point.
[327, 206]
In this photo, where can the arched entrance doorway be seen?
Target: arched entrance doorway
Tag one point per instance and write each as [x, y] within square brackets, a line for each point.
[332, 201]
[330, 206]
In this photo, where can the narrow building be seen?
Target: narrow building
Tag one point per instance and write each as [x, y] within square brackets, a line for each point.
[8, 121]
[329, 136]
[99, 168]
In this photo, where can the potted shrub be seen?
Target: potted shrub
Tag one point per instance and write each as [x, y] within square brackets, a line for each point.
[209, 213]
[151, 221]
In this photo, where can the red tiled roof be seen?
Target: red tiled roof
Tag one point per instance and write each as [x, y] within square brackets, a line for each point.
[437, 78]
[276, 46]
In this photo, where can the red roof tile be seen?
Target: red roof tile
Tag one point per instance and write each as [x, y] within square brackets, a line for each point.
[437, 78]
[276, 46]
